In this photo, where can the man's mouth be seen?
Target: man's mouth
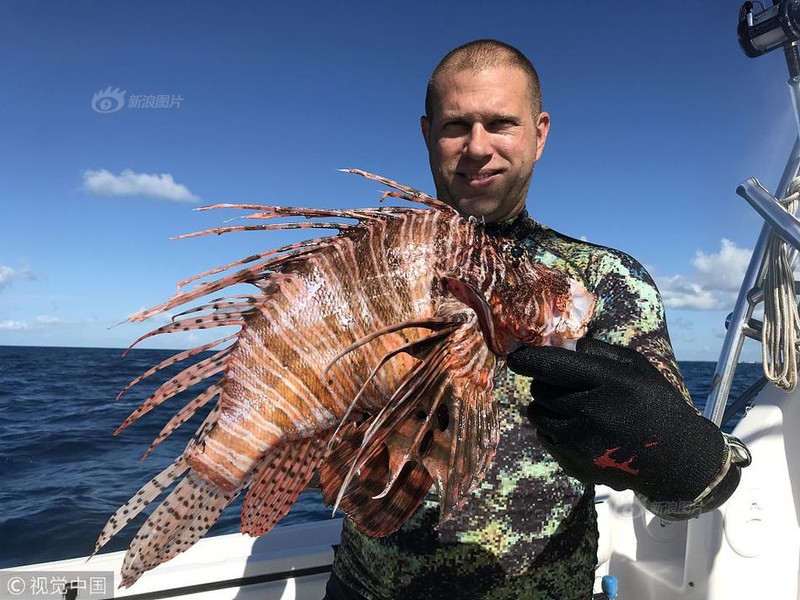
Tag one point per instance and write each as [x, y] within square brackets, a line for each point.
[482, 178]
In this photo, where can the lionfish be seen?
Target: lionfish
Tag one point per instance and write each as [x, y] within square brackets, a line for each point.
[367, 356]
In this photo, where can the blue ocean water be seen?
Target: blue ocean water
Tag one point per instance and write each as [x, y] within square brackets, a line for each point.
[63, 473]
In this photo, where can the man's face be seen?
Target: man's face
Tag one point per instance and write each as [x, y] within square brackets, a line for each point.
[483, 140]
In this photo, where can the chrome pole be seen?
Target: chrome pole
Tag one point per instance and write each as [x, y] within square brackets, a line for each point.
[754, 276]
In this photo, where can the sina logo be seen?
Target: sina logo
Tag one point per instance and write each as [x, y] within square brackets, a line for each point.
[108, 100]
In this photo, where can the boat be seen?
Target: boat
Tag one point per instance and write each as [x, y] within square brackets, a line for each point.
[747, 548]
[292, 562]
[750, 546]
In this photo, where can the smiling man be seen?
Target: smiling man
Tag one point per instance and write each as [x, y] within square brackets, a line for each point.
[483, 136]
[615, 412]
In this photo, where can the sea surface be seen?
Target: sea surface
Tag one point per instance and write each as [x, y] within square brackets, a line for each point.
[63, 473]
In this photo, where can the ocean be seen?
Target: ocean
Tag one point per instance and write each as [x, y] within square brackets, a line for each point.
[63, 473]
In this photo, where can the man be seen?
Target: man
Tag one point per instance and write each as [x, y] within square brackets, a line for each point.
[615, 412]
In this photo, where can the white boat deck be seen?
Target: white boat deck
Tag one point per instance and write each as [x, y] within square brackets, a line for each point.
[291, 562]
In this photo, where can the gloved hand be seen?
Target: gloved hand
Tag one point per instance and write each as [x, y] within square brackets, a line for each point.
[608, 416]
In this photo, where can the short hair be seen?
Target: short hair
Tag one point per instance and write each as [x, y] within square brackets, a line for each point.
[483, 54]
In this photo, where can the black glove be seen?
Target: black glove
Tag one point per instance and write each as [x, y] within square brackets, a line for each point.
[608, 416]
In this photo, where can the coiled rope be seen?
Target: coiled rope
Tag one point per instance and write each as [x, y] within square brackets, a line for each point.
[781, 331]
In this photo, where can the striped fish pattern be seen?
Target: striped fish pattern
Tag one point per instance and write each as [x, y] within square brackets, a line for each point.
[367, 357]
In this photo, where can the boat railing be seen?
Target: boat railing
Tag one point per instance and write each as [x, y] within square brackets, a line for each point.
[778, 221]
[740, 323]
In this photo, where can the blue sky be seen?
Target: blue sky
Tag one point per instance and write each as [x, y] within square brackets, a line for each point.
[656, 117]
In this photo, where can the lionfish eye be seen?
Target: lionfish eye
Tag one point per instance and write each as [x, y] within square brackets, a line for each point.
[516, 251]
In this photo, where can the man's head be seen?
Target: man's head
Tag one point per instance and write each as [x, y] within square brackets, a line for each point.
[484, 129]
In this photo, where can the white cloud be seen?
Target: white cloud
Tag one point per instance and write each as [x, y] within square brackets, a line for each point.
[48, 320]
[724, 270]
[714, 282]
[128, 183]
[41, 322]
[680, 292]
[8, 274]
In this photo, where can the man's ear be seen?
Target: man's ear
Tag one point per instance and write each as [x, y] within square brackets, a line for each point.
[425, 126]
[542, 129]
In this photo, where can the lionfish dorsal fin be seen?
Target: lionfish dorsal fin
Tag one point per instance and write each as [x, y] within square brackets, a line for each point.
[406, 192]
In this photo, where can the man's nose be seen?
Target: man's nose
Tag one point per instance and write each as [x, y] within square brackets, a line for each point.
[478, 143]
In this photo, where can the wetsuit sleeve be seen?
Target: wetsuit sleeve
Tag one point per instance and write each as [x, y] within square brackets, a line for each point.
[630, 313]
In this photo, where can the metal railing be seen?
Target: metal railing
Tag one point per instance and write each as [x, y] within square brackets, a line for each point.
[777, 221]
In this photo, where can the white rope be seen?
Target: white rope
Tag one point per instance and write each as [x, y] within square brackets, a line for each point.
[781, 332]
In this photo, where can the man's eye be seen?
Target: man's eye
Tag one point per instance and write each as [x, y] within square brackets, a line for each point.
[501, 124]
[455, 128]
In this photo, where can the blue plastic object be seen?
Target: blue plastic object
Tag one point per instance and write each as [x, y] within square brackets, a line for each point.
[610, 586]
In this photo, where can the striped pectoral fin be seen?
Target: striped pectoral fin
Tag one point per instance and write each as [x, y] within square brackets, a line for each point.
[280, 478]
[459, 460]
[382, 515]
[378, 502]
[495, 339]
[439, 426]
[464, 438]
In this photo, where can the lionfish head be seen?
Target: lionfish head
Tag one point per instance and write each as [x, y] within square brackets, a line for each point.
[522, 302]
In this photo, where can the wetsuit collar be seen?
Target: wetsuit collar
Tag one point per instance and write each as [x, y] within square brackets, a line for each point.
[518, 227]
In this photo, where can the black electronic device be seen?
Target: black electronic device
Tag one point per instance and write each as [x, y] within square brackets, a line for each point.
[762, 29]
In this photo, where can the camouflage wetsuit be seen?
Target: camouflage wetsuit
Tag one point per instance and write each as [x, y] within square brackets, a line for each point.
[529, 531]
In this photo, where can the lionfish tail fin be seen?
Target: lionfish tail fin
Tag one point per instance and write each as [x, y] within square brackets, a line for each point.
[175, 525]
[148, 492]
